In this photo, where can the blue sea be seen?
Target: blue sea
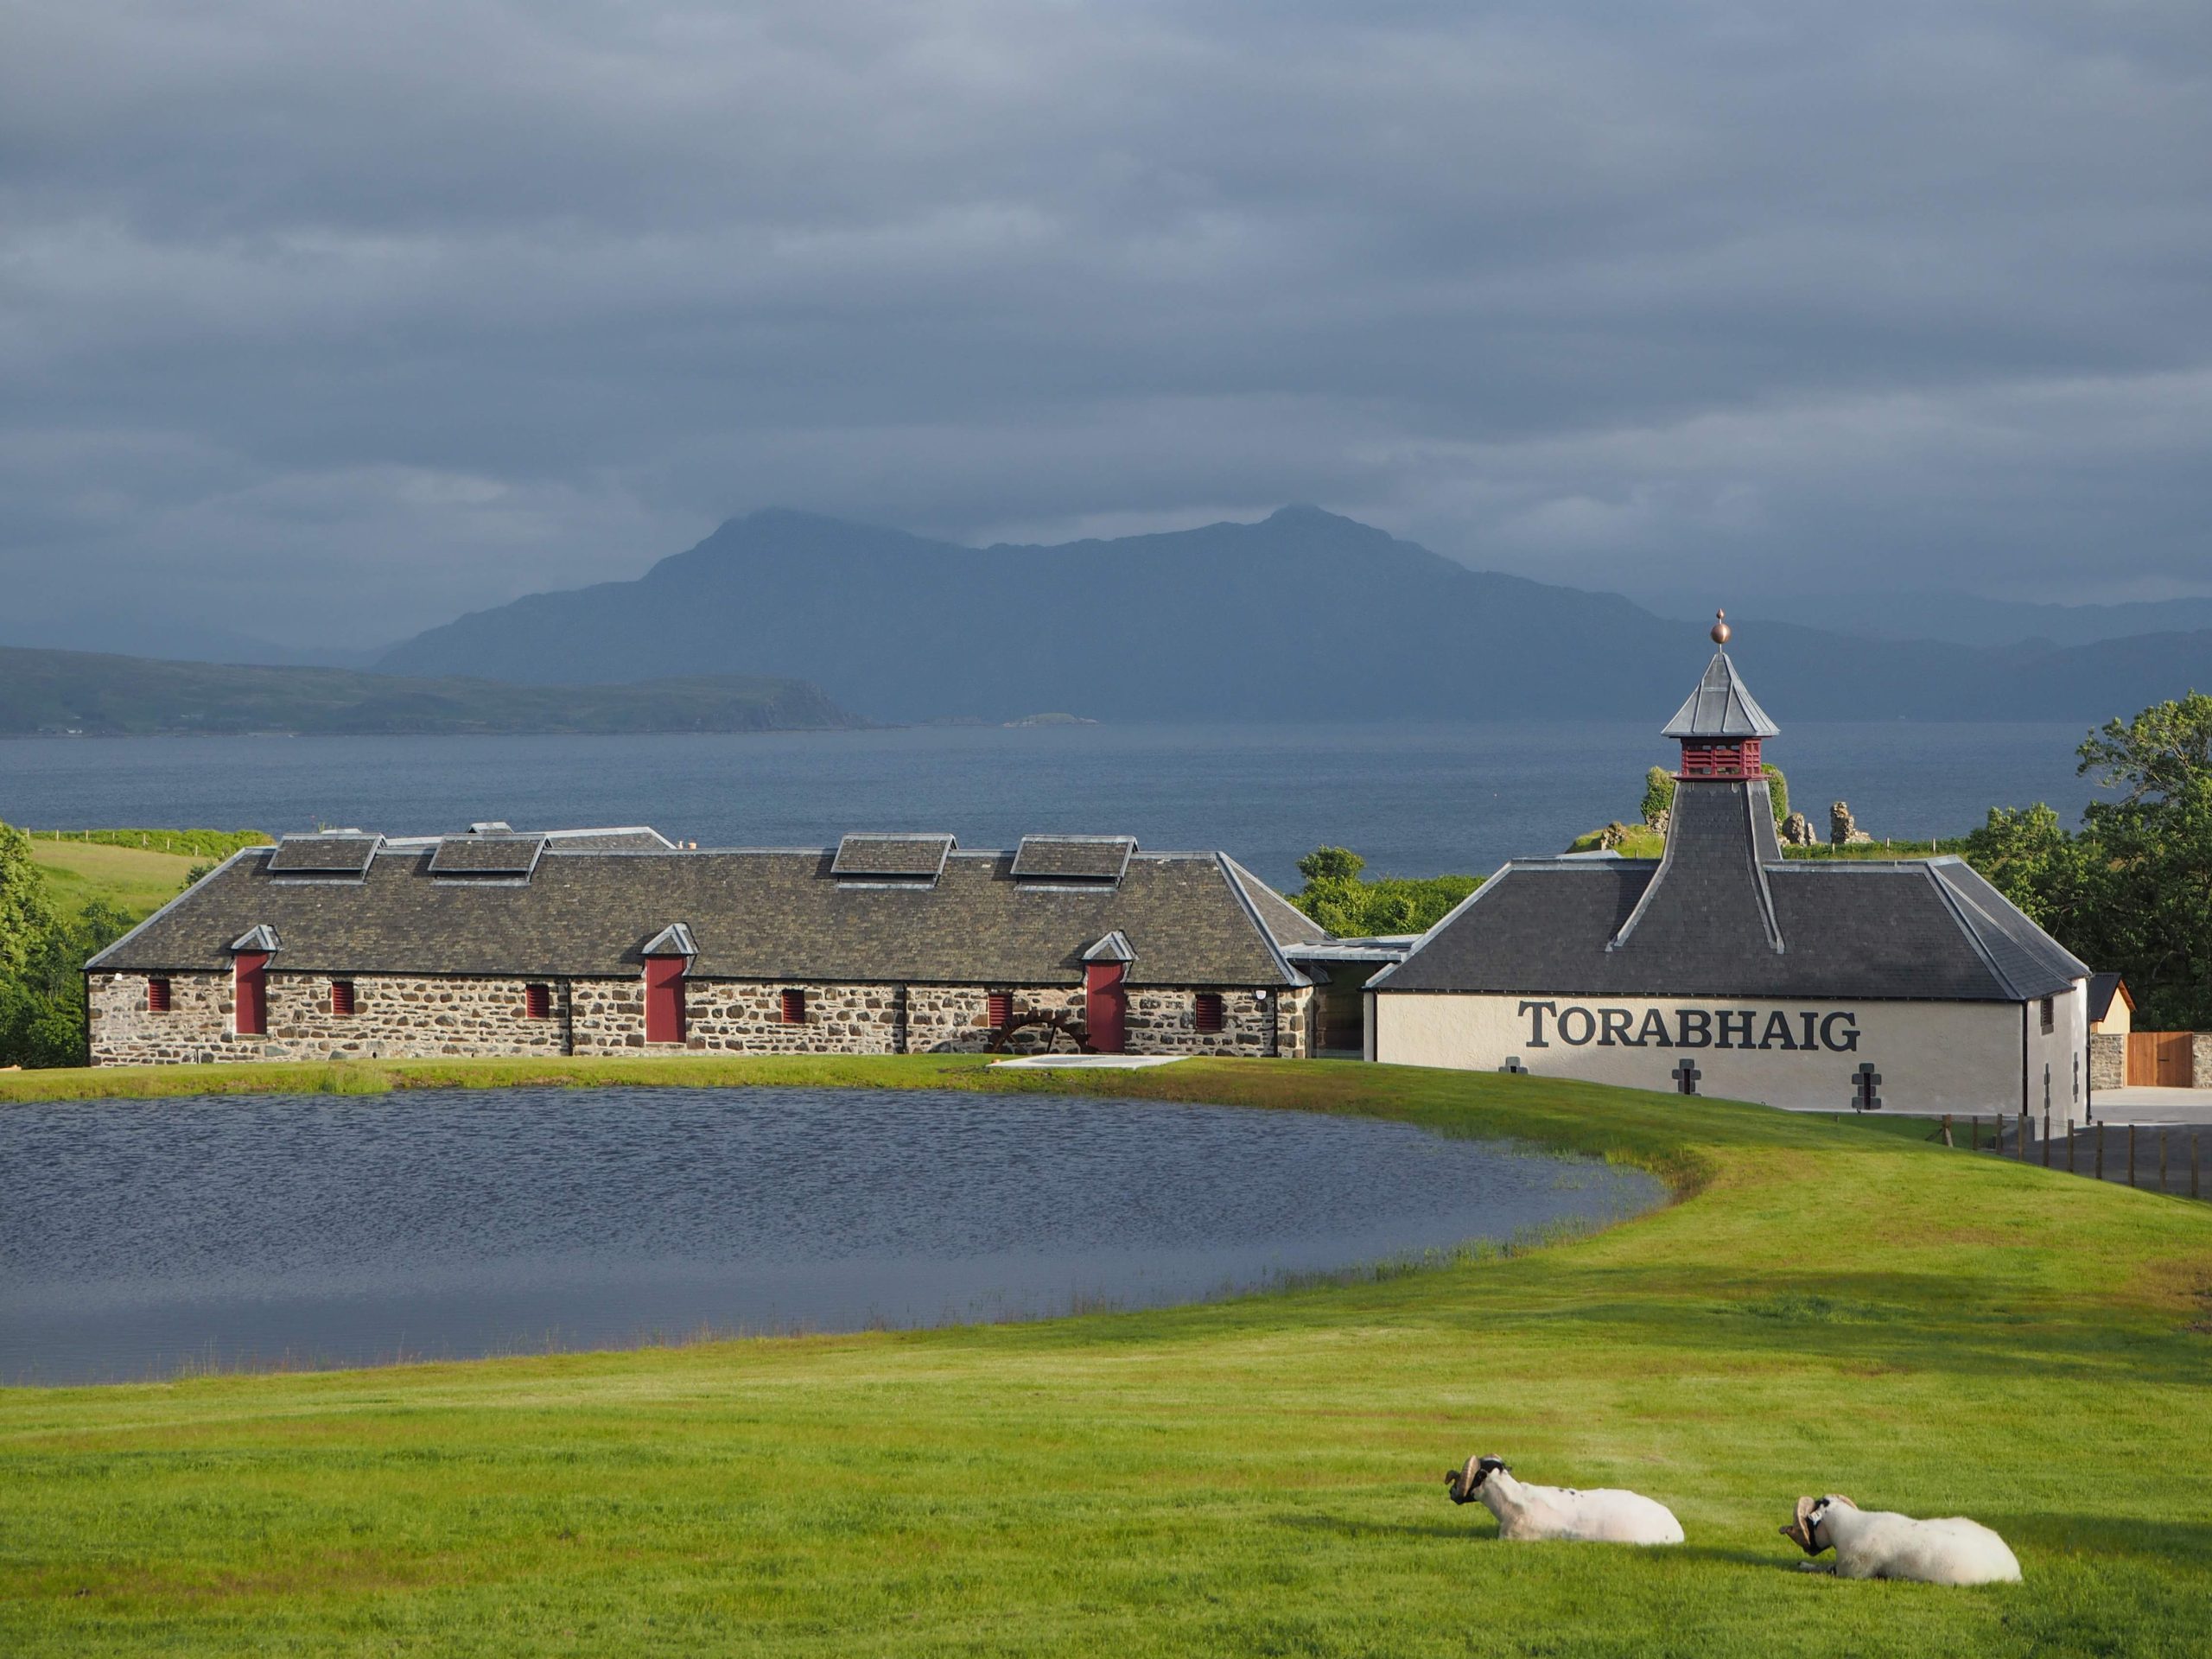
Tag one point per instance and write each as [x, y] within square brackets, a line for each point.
[1416, 800]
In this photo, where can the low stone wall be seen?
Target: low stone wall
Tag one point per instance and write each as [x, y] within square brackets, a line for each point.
[402, 1017]
[2107, 1059]
[2200, 1060]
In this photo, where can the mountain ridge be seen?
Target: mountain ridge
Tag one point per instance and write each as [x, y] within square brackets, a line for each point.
[1302, 615]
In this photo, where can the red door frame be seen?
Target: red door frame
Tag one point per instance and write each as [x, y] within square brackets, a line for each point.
[1105, 1005]
[250, 994]
[664, 999]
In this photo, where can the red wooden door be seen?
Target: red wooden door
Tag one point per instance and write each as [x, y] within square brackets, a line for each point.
[250, 984]
[1105, 1005]
[664, 999]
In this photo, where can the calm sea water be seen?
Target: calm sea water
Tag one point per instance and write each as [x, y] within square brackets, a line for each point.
[139, 1237]
[1416, 800]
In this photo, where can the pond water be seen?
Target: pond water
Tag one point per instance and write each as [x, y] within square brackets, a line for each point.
[142, 1238]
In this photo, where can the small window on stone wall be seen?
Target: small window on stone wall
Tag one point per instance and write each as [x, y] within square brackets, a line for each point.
[341, 996]
[2049, 1014]
[1206, 1006]
[537, 1001]
[998, 1009]
[158, 996]
[794, 1007]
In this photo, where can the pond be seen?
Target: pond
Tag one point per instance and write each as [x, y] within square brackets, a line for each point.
[143, 1239]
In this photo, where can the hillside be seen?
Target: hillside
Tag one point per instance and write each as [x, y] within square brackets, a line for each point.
[101, 696]
[1305, 616]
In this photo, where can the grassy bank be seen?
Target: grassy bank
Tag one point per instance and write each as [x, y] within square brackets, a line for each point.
[135, 879]
[1825, 1309]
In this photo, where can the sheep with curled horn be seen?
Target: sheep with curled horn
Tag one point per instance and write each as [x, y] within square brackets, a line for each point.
[1528, 1513]
[1882, 1544]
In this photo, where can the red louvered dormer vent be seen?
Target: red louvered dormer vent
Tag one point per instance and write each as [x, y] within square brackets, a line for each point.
[1721, 760]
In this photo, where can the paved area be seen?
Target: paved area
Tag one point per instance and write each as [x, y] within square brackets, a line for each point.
[2191, 1106]
[1086, 1062]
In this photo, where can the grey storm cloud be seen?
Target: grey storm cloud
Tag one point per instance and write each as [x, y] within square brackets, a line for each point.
[332, 320]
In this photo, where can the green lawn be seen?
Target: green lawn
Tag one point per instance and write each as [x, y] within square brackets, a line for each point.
[133, 879]
[1825, 1308]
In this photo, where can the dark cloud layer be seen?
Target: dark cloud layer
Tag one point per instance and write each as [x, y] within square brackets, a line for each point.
[332, 320]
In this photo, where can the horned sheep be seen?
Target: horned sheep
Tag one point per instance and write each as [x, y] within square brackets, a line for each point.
[1526, 1512]
[1881, 1544]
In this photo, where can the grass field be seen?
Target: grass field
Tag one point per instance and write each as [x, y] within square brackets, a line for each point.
[130, 878]
[1824, 1308]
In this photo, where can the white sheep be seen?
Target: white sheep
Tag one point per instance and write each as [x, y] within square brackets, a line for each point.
[1526, 1512]
[1881, 1544]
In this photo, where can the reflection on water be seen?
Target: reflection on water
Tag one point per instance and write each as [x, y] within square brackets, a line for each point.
[138, 1238]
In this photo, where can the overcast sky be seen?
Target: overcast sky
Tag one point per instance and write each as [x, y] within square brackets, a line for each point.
[330, 321]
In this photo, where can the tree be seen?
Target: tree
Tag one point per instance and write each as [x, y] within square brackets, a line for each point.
[24, 915]
[1335, 896]
[2132, 890]
[2163, 751]
[1777, 792]
[1658, 794]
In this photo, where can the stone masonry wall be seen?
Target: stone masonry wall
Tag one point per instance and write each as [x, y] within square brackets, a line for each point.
[2200, 1060]
[2107, 1059]
[401, 1016]
[956, 1019]
[395, 1017]
[1165, 1021]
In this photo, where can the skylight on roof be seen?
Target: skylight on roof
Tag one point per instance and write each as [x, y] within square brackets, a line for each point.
[1073, 859]
[324, 855]
[475, 854]
[872, 857]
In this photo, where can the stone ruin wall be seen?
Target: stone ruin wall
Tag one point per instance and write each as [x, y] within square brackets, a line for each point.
[410, 1017]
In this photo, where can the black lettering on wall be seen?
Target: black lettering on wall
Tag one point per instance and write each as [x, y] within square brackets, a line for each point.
[1537, 1011]
[1849, 1044]
[1777, 1034]
[1736, 1022]
[1697, 1020]
[1568, 1017]
[1612, 1029]
[1654, 1031]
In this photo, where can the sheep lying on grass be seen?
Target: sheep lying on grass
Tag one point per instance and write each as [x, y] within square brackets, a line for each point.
[1879, 1544]
[1561, 1512]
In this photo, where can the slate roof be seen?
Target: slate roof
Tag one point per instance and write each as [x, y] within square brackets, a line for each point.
[1924, 928]
[2102, 989]
[1722, 707]
[1193, 918]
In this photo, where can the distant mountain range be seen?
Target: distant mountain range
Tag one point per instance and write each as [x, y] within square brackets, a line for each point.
[1955, 618]
[1305, 616]
[101, 696]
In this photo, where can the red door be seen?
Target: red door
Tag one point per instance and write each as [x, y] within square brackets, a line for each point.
[1105, 1005]
[249, 982]
[664, 999]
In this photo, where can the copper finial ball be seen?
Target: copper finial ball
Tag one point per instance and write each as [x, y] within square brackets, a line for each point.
[1720, 627]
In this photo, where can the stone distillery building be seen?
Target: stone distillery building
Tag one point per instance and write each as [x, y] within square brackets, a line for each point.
[1723, 969]
[609, 942]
